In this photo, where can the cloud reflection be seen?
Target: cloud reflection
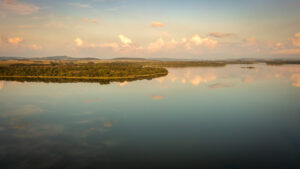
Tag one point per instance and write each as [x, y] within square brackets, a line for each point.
[1, 85]
[108, 124]
[295, 80]
[27, 110]
[220, 85]
[231, 74]
[157, 97]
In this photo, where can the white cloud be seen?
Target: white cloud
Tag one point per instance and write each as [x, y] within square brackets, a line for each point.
[125, 40]
[296, 39]
[78, 42]
[199, 41]
[157, 24]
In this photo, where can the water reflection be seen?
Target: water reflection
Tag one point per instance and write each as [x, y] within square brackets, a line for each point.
[225, 117]
[295, 80]
[1, 85]
[157, 97]
[219, 77]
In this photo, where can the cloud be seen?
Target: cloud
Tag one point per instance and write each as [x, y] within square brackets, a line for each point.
[220, 35]
[90, 20]
[19, 7]
[126, 47]
[35, 47]
[157, 24]
[157, 97]
[114, 46]
[286, 52]
[192, 44]
[158, 44]
[14, 40]
[296, 39]
[125, 40]
[79, 5]
[296, 80]
[199, 41]
[78, 42]
[250, 41]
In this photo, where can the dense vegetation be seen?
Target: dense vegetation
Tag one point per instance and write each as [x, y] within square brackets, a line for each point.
[282, 62]
[90, 70]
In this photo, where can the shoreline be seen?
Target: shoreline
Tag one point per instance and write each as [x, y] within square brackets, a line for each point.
[85, 77]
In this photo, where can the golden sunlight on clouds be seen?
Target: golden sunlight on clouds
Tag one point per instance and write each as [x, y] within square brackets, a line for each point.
[195, 45]
[15, 40]
[199, 41]
[296, 39]
[78, 42]
[125, 40]
[35, 47]
[296, 80]
[287, 52]
[90, 20]
[157, 97]
[250, 41]
[157, 24]
[154, 46]
[19, 7]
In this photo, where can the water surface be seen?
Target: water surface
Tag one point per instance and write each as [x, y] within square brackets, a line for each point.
[227, 117]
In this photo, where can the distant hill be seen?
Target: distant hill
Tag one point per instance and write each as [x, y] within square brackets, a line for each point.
[5, 58]
[129, 58]
[62, 58]
[172, 59]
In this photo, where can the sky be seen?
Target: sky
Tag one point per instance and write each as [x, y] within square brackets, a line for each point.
[185, 29]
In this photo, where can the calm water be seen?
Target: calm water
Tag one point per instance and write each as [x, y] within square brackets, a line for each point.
[193, 118]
